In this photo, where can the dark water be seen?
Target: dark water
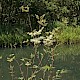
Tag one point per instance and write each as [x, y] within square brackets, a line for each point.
[66, 57]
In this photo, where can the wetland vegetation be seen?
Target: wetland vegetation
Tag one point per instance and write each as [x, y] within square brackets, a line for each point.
[39, 39]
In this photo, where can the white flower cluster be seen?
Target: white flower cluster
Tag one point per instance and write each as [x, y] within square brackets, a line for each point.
[47, 40]
[37, 40]
[35, 33]
[41, 20]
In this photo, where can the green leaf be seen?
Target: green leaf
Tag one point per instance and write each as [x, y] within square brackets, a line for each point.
[24, 9]
[45, 24]
[21, 78]
[46, 67]
[63, 71]
[40, 22]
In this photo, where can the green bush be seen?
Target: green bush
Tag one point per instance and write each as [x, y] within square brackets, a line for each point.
[69, 35]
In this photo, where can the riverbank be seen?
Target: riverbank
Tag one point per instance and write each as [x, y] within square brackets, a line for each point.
[66, 35]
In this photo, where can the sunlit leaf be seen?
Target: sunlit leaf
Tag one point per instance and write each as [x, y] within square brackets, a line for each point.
[63, 71]
[26, 41]
[37, 16]
[21, 78]
[35, 40]
[24, 9]
[22, 59]
[45, 24]
[41, 17]
[11, 58]
[35, 66]
[35, 33]
[27, 63]
[39, 22]
[11, 55]
[46, 67]
[0, 57]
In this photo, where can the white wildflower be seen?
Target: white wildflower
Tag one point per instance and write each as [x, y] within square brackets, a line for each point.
[35, 33]
[26, 41]
[35, 40]
[41, 38]
[50, 37]
[48, 41]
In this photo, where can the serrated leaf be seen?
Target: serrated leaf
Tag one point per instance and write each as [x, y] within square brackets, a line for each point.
[44, 20]
[24, 9]
[63, 71]
[27, 63]
[39, 22]
[41, 17]
[22, 59]
[37, 17]
[46, 67]
[10, 59]
[21, 78]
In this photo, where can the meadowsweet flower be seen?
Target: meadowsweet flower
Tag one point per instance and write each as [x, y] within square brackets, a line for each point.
[26, 41]
[24, 9]
[48, 40]
[41, 37]
[35, 41]
[35, 33]
[41, 20]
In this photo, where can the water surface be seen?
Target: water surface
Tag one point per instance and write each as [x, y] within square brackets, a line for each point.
[66, 57]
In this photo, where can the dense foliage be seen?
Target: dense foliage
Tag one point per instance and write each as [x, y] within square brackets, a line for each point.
[19, 16]
[11, 16]
[38, 22]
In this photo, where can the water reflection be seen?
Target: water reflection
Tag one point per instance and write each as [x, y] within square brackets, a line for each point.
[66, 57]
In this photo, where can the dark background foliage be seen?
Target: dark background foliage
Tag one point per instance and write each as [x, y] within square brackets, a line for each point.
[11, 17]
[14, 24]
